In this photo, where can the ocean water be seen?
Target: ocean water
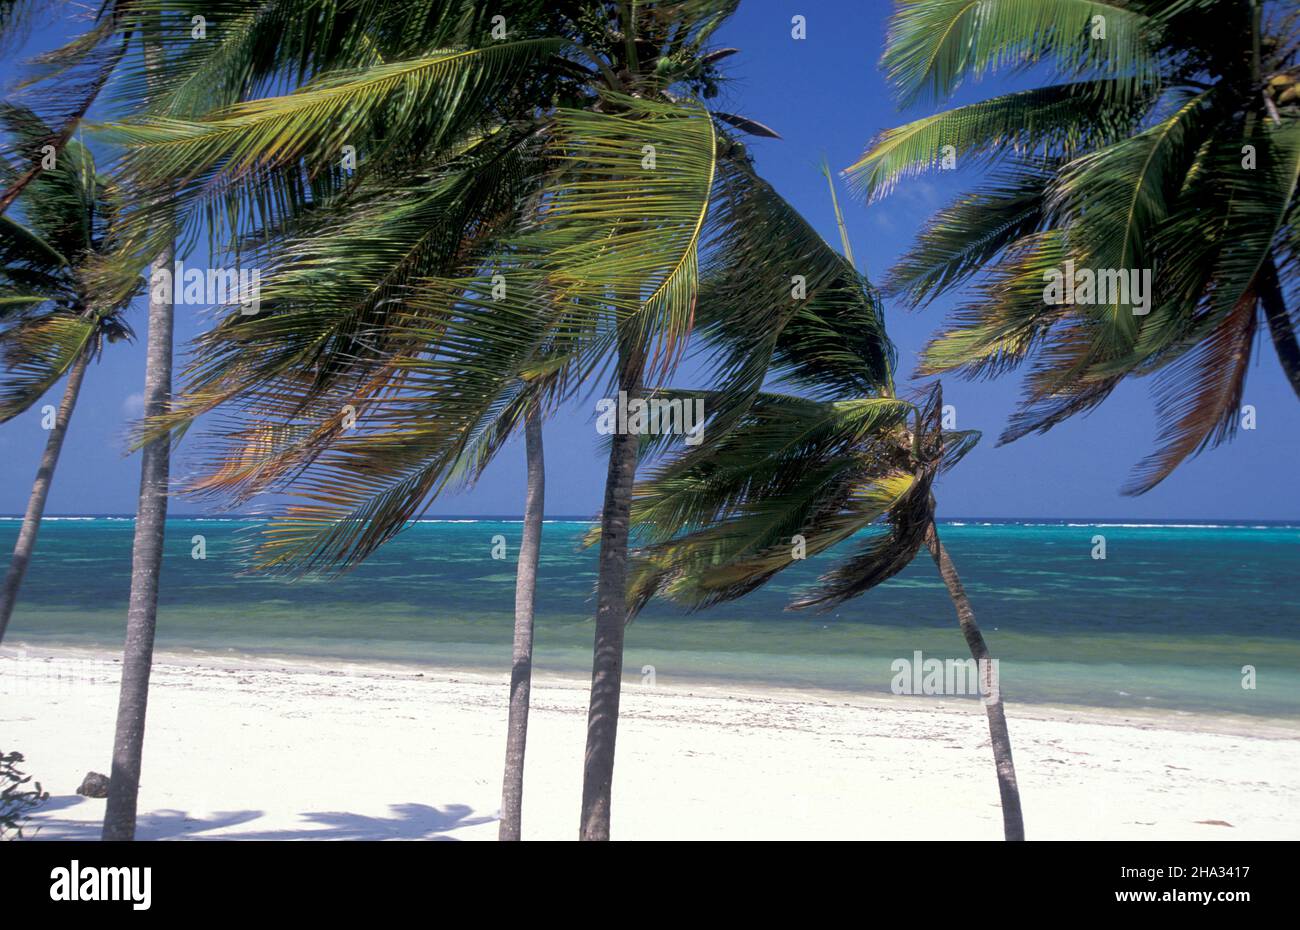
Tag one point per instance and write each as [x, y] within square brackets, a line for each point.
[1167, 621]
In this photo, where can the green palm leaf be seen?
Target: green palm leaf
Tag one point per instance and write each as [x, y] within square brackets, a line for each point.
[722, 519]
[35, 354]
[1190, 176]
[256, 153]
[572, 276]
[933, 45]
[1052, 121]
[961, 239]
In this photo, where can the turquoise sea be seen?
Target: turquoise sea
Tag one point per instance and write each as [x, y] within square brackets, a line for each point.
[1166, 621]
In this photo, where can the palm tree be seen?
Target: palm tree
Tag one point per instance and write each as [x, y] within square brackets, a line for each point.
[421, 244]
[48, 328]
[71, 79]
[146, 566]
[797, 477]
[1170, 144]
[146, 547]
[204, 77]
[164, 83]
[78, 72]
[521, 662]
[526, 213]
[792, 476]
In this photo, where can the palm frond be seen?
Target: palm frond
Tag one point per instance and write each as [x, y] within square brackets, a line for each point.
[1047, 122]
[933, 46]
[611, 244]
[1112, 201]
[722, 519]
[35, 354]
[1203, 412]
[68, 92]
[960, 240]
[777, 303]
[242, 154]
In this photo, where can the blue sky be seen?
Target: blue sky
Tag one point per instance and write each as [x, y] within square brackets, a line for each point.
[826, 96]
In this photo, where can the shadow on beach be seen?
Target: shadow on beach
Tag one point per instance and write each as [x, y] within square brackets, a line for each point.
[407, 822]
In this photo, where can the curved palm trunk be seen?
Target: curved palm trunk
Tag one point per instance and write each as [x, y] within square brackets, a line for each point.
[1013, 824]
[1279, 324]
[146, 562]
[611, 623]
[26, 543]
[521, 666]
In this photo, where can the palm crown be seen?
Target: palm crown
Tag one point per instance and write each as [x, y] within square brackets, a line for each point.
[795, 479]
[47, 317]
[1169, 141]
[787, 473]
[521, 208]
[785, 477]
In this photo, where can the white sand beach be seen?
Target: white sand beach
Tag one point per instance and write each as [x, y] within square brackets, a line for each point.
[271, 749]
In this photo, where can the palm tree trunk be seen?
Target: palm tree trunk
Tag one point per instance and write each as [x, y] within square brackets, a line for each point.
[1280, 325]
[40, 491]
[146, 563]
[521, 666]
[1013, 824]
[611, 619]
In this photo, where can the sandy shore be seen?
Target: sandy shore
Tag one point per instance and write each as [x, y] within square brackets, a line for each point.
[270, 749]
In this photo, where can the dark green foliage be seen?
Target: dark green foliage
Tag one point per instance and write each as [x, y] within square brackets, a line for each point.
[16, 800]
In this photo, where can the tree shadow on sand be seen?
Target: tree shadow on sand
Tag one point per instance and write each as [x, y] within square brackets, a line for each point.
[86, 821]
[407, 821]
